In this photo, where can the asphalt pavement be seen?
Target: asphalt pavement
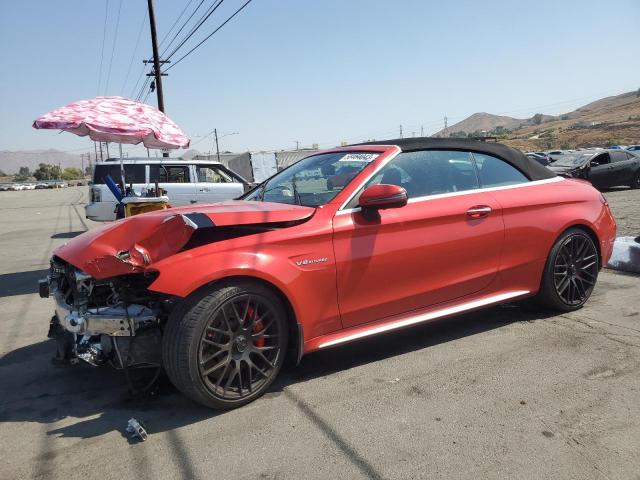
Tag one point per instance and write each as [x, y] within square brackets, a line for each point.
[503, 393]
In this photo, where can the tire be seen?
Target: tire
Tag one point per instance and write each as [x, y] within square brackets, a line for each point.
[635, 180]
[570, 273]
[237, 333]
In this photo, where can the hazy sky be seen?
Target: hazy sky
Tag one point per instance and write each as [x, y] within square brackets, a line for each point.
[319, 71]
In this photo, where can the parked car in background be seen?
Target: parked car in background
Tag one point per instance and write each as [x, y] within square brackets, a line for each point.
[603, 168]
[555, 154]
[425, 229]
[541, 158]
[185, 183]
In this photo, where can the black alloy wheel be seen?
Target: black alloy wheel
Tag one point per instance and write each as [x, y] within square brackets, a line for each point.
[575, 269]
[224, 346]
[571, 271]
[239, 347]
[635, 180]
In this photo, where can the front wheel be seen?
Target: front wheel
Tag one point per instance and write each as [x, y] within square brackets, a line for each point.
[635, 180]
[570, 273]
[225, 348]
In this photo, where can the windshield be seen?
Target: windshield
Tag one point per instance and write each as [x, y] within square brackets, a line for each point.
[572, 159]
[313, 181]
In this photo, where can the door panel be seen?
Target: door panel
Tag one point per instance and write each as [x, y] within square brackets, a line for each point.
[601, 171]
[427, 252]
[601, 175]
[218, 192]
[177, 181]
[215, 185]
[622, 167]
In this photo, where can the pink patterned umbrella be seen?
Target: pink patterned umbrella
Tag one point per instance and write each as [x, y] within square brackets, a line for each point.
[118, 120]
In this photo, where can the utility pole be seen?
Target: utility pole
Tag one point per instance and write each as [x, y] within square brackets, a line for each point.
[297, 142]
[445, 125]
[156, 56]
[400, 130]
[215, 133]
[156, 61]
[422, 130]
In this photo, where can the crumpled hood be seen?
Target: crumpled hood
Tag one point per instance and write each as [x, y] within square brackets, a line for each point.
[133, 244]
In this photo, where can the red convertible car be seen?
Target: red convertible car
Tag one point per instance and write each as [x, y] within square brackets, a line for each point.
[218, 295]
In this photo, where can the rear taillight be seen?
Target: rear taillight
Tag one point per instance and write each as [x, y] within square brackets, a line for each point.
[96, 195]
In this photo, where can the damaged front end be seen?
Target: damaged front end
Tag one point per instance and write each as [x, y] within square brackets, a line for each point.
[99, 283]
[115, 320]
[105, 311]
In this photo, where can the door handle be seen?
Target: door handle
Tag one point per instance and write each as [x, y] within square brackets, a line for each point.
[479, 211]
[194, 201]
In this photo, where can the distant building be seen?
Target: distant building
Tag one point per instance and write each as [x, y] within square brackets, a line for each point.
[258, 166]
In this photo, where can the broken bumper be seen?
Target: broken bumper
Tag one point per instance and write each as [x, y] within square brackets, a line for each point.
[112, 321]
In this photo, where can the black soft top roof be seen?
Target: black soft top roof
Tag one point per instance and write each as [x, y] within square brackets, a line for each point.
[530, 168]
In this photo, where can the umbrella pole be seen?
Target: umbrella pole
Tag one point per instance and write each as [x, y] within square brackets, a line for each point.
[124, 185]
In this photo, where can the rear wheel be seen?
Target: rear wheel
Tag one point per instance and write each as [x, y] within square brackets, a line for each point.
[226, 347]
[570, 273]
[635, 180]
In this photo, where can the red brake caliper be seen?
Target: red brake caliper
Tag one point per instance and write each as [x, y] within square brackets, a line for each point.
[257, 326]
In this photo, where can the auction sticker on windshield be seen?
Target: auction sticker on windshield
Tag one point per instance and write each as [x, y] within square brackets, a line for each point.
[361, 157]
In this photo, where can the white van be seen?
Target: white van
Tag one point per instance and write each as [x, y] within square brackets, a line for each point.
[186, 183]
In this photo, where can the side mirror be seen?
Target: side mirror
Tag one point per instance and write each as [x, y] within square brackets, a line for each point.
[381, 196]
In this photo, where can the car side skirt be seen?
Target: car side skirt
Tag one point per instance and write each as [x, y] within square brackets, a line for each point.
[406, 320]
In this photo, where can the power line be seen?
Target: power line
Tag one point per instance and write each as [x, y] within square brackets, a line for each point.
[181, 28]
[135, 50]
[141, 74]
[104, 34]
[113, 46]
[143, 88]
[210, 35]
[196, 27]
[175, 22]
[146, 96]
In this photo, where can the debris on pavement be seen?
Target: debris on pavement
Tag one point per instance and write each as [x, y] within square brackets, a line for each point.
[136, 429]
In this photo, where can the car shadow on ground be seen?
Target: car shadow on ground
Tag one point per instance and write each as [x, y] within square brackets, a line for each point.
[20, 283]
[36, 391]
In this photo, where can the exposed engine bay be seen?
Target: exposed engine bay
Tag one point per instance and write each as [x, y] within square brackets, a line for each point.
[116, 321]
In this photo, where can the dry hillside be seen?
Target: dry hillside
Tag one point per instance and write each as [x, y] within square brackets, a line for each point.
[611, 120]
